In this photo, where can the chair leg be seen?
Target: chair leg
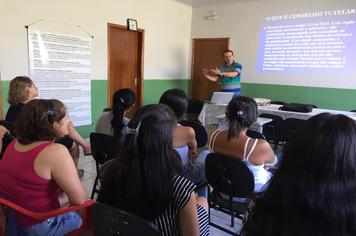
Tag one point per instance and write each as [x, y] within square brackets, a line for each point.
[231, 212]
[94, 187]
[232, 220]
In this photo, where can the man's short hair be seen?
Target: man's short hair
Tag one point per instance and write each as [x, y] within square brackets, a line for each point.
[229, 51]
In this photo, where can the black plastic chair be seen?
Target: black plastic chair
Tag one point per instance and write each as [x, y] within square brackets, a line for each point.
[108, 220]
[194, 109]
[254, 134]
[289, 128]
[103, 148]
[201, 135]
[229, 176]
[106, 109]
[272, 130]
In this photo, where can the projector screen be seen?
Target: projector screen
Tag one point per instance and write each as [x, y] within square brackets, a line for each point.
[305, 43]
[309, 42]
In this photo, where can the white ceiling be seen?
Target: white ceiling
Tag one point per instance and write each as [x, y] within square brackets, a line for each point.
[208, 2]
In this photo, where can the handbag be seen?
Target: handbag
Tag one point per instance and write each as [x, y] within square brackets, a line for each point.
[296, 107]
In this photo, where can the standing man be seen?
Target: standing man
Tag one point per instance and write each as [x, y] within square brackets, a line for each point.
[228, 73]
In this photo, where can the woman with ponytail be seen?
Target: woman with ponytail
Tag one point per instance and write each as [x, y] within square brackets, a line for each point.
[241, 112]
[112, 122]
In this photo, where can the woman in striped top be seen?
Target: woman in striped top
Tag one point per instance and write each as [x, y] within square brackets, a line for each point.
[144, 179]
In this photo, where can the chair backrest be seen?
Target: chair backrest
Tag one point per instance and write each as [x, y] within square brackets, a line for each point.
[108, 220]
[289, 127]
[103, 147]
[229, 175]
[254, 134]
[201, 135]
[271, 130]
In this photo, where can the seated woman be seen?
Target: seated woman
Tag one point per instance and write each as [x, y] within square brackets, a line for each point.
[184, 141]
[113, 122]
[314, 190]
[144, 180]
[241, 112]
[34, 169]
[22, 90]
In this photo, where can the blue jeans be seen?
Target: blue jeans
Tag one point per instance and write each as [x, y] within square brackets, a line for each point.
[195, 172]
[58, 225]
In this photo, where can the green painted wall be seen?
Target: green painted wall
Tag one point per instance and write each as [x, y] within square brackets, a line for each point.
[153, 89]
[339, 99]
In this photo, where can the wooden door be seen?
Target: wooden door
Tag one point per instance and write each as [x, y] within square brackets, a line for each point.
[207, 53]
[125, 52]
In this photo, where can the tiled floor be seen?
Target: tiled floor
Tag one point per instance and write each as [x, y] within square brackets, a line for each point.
[88, 164]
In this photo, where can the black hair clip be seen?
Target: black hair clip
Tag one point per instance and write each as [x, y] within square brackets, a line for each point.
[50, 111]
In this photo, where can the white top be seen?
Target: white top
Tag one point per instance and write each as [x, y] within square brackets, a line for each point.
[103, 125]
[260, 174]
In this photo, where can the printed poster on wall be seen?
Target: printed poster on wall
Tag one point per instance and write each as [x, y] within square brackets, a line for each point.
[60, 66]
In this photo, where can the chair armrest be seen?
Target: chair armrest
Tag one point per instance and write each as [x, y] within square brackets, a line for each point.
[46, 214]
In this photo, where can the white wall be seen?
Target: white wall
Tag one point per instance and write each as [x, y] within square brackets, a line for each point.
[241, 22]
[167, 26]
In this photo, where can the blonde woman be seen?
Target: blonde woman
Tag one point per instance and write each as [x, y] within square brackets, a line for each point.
[22, 90]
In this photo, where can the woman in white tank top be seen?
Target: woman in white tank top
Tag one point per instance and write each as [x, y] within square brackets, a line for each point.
[256, 153]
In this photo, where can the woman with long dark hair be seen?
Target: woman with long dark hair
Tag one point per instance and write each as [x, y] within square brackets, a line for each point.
[313, 193]
[112, 122]
[144, 178]
[184, 141]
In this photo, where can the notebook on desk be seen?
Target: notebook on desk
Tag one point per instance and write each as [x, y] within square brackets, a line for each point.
[221, 97]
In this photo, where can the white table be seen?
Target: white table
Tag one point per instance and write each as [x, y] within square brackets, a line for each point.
[258, 125]
[274, 110]
[210, 113]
